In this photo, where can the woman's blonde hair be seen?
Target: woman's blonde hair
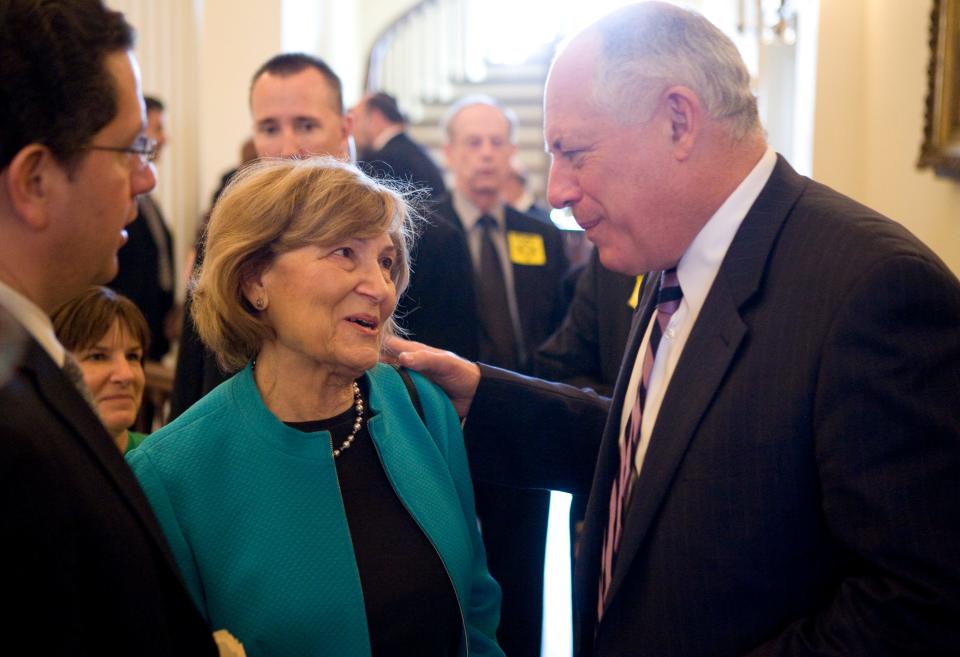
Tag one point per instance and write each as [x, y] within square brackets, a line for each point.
[275, 206]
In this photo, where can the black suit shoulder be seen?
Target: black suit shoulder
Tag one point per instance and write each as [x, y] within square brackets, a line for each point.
[403, 159]
[89, 570]
[539, 287]
[439, 306]
[587, 348]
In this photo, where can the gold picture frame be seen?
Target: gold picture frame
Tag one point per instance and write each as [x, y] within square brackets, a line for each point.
[941, 134]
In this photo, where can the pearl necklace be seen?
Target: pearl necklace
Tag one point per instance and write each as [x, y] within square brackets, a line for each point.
[357, 423]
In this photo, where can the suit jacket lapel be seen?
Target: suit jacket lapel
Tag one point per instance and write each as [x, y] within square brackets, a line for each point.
[707, 355]
[587, 567]
[65, 401]
[524, 284]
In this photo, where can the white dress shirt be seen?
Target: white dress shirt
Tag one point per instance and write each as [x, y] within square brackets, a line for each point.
[696, 271]
[36, 322]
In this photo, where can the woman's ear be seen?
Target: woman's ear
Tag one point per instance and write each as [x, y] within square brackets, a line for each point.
[254, 292]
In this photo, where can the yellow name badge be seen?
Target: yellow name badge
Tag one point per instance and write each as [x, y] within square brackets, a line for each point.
[526, 248]
[635, 297]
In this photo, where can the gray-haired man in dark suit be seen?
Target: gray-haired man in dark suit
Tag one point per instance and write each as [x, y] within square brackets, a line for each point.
[778, 470]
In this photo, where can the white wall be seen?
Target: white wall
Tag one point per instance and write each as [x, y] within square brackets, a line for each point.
[871, 89]
[169, 72]
[236, 37]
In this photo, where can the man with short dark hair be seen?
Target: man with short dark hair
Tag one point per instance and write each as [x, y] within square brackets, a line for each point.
[778, 470]
[296, 102]
[87, 570]
[386, 151]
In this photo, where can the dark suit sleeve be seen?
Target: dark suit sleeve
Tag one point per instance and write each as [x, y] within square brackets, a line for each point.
[887, 441]
[528, 433]
[572, 353]
[438, 307]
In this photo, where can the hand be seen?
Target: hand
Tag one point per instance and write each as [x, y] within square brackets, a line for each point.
[458, 377]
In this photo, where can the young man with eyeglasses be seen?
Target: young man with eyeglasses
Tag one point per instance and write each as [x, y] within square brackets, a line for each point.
[87, 569]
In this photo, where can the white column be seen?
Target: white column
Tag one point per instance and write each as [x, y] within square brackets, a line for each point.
[167, 45]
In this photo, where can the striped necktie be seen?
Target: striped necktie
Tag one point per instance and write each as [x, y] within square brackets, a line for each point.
[668, 300]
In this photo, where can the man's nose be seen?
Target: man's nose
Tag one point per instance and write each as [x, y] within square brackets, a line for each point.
[144, 178]
[562, 187]
[290, 144]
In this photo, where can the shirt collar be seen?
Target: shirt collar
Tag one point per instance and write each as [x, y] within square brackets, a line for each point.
[525, 201]
[700, 263]
[469, 213]
[34, 320]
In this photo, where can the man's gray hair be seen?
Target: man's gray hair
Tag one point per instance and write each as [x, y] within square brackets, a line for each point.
[649, 46]
[446, 124]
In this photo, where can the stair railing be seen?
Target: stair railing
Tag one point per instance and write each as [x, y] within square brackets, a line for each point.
[422, 54]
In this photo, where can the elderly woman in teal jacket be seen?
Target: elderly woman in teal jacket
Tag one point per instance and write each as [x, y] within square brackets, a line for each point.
[316, 502]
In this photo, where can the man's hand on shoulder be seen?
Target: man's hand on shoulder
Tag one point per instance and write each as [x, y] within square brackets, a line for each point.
[457, 377]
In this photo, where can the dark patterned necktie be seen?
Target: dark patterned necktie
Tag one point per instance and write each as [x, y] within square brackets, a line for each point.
[668, 300]
[498, 346]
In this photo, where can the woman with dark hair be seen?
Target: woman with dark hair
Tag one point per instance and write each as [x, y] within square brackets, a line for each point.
[107, 335]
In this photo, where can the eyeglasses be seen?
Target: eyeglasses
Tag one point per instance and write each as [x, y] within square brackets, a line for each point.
[144, 147]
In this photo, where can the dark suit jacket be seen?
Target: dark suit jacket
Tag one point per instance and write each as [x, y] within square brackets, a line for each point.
[403, 159]
[444, 275]
[86, 569]
[587, 348]
[138, 276]
[801, 492]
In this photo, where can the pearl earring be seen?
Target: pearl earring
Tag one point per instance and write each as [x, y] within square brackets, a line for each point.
[259, 303]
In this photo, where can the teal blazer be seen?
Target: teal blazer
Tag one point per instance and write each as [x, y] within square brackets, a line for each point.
[253, 513]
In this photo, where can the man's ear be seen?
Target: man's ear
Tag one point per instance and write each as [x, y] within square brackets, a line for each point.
[30, 180]
[685, 114]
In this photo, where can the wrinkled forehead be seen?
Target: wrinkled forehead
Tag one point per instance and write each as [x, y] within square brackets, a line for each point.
[572, 72]
[568, 97]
